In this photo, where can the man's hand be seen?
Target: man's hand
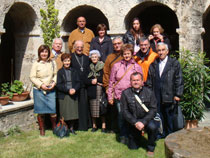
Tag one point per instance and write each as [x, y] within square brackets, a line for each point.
[111, 102]
[176, 98]
[72, 91]
[139, 125]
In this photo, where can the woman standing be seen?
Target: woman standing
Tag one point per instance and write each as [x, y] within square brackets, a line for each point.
[68, 84]
[94, 82]
[157, 36]
[134, 34]
[43, 76]
[119, 81]
[102, 42]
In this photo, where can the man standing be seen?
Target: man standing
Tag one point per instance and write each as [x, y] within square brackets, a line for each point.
[145, 56]
[112, 59]
[80, 63]
[165, 78]
[81, 33]
[56, 52]
[139, 108]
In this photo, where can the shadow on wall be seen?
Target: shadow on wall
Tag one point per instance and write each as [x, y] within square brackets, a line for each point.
[18, 23]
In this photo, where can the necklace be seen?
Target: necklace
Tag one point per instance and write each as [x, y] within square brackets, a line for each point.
[80, 64]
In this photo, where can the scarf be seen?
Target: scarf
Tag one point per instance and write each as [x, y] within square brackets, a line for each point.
[94, 69]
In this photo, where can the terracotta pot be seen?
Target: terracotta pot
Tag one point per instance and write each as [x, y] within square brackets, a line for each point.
[4, 100]
[191, 124]
[20, 97]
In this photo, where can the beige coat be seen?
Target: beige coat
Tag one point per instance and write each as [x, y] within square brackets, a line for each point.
[43, 73]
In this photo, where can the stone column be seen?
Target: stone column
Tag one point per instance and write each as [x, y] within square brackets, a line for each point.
[191, 38]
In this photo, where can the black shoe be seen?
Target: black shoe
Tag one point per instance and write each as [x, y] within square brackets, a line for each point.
[94, 130]
[73, 132]
[103, 130]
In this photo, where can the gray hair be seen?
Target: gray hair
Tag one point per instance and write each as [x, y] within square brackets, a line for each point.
[94, 52]
[162, 44]
[117, 37]
[77, 41]
[142, 39]
[57, 39]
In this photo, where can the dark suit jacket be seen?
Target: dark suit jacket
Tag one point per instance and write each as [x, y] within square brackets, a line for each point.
[170, 83]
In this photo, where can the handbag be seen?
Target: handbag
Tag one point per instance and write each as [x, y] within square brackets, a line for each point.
[178, 118]
[103, 103]
[61, 130]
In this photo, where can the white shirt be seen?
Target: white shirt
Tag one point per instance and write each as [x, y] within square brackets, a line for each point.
[162, 65]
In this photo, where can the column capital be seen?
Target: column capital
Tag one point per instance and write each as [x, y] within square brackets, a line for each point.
[192, 30]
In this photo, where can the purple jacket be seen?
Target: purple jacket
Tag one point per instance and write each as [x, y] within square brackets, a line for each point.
[117, 72]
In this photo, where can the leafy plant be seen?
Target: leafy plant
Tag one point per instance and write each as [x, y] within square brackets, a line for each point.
[49, 22]
[14, 130]
[17, 87]
[196, 84]
[5, 90]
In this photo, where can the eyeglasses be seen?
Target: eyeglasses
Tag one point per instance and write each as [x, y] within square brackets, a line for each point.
[117, 43]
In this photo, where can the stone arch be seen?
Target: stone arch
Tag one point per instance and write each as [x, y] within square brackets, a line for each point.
[19, 21]
[151, 13]
[93, 16]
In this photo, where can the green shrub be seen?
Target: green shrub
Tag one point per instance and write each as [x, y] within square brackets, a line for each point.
[196, 84]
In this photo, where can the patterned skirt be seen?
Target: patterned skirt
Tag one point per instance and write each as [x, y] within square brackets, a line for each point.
[94, 103]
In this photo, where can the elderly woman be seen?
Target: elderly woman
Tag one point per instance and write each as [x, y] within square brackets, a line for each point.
[68, 83]
[102, 42]
[157, 36]
[133, 35]
[43, 76]
[94, 82]
[120, 80]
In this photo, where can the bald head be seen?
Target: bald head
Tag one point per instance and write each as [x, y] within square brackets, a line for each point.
[81, 22]
[78, 46]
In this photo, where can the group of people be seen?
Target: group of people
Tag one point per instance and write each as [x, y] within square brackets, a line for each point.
[136, 73]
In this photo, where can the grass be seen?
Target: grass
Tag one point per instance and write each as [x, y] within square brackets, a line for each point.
[84, 145]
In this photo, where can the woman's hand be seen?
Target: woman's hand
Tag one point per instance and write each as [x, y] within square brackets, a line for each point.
[94, 81]
[44, 87]
[160, 37]
[72, 91]
[150, 37]
[51, 86]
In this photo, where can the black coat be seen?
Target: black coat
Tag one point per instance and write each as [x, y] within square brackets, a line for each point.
[76, 66]
[105, 48]
[61, 86]
[170, 83]
[132, 110]
[91, 89]
[165, 40]
[129, 38]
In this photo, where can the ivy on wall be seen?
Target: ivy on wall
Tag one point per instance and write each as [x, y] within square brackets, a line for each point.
[49, 22]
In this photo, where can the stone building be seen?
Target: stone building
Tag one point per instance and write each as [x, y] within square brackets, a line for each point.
[186, 22]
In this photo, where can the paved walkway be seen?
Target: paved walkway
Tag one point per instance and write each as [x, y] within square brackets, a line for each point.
[206, 120]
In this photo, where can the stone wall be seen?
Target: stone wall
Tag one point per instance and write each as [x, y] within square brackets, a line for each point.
[17, 115]
[28, 35]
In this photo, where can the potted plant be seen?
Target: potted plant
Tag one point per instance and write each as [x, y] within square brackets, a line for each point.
[5, 94]
[196, 86]
[18, 91]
